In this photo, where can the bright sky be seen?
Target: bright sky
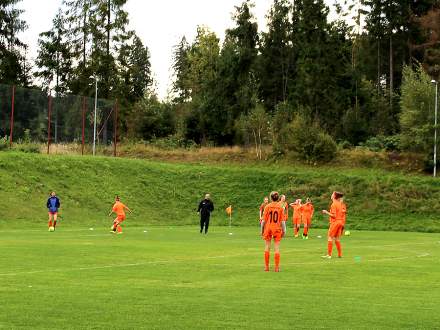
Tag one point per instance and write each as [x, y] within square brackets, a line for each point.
[159, 23]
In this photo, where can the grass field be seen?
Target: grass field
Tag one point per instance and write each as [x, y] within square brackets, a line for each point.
[175, 278]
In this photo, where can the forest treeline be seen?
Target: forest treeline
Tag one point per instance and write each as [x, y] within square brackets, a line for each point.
[358, 73]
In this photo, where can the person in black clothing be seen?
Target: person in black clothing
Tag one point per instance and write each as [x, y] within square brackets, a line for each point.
[206, 206]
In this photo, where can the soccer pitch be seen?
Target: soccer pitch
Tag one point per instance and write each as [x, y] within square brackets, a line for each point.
[176, 278]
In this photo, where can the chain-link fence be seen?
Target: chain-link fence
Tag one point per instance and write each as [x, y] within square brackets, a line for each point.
[79, 123]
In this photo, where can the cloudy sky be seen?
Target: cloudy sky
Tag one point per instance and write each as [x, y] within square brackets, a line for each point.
[159, 23]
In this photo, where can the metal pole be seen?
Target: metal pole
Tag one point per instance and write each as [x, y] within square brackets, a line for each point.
[115, 124]
[94, 121]
[48, 122]
[11, 128]
[435, 129]
[83, 124]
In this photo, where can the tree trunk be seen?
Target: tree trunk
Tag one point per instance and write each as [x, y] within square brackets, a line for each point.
[378, 65]
[391, 71]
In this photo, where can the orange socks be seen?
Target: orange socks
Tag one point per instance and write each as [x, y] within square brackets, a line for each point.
[329, 248]
[266, 260]
[277, 261]
[119, 229]
[306, 231]
[339, 247]
[50, 223]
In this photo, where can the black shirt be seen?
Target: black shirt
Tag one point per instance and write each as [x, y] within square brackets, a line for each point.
[205, 208]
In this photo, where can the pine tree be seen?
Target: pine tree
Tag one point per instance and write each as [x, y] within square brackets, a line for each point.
[54, 60]
[12, 50]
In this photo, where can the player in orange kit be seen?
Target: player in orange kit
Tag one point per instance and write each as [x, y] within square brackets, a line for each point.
[344, 215]
[119, 209]
[307, 215]
[336, 215]
[297, 216]
[273, 227]
[262, 206]
[285, 207]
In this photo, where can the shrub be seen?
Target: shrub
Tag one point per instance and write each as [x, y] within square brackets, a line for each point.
[4, 143]
[309, 142]
[380, 142]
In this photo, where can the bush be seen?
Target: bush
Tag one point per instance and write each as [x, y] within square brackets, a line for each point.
[33, 148]
[4, 143]
[380, 142]
[309, 142]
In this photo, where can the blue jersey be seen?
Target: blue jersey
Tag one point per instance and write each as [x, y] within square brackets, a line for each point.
[53, 204]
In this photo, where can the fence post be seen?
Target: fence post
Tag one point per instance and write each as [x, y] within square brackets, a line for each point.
[115, 127]
[11, 129]
[83, 124]
[49, 113]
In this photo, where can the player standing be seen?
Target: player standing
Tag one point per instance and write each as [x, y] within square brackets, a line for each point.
[206, 206]
[307, 215]
[336, 224]
[119, 209]
[262, 206]
[285, 207]
[273, 227]
[344, 214]
[297, 216]
[53, 205]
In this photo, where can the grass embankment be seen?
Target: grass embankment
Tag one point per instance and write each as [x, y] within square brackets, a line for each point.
[168, 193]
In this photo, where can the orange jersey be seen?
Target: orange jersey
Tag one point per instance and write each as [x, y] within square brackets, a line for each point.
[337, 210]
[285, 207]
[307, 210]
[262, 206]
[273, 216]
[119, 209]
[297, 211]
[344, 213]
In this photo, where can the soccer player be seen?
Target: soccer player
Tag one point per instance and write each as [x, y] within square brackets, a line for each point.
[119, 209]
[344, 214]
[297, 216]
[262, 206]
[53, 205]
[335, 218]
[285, 207]
[206, 206]
[307, 215]
[273, 227]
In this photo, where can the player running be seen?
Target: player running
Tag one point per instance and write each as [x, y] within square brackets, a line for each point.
[297, 216]
[307, 215]
[262, 206]
[336, 215]
[53, 205]
[119, 209]
[273, 227]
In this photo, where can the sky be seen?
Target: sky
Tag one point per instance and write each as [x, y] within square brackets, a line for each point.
[159, 23]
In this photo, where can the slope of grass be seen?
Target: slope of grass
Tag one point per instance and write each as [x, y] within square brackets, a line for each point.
[175, 278]
[168, 193]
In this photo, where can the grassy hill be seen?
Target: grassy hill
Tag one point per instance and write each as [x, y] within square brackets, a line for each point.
[168, 193]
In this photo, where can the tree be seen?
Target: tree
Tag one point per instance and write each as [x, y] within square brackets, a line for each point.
[181, 87]
[276, 68]
[54, 60]
[12, 60]
[417, 115]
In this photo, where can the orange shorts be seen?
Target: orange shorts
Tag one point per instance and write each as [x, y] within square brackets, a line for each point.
[120, 218]
[296, 221]
[335, 229]
[276, 234]
[307, 220]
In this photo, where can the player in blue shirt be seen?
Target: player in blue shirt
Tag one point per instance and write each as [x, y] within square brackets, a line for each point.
[53, 205]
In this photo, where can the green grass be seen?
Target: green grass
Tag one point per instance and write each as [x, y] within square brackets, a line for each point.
[175, 278]
[168, 193]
